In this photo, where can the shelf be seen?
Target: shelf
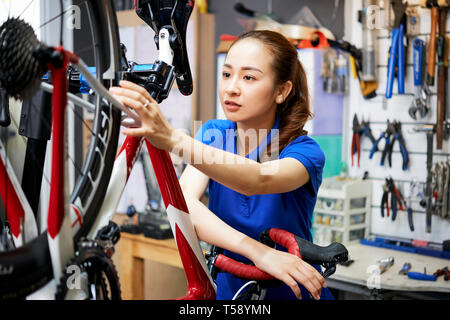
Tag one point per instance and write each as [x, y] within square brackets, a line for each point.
[341, 213]
[341, 229]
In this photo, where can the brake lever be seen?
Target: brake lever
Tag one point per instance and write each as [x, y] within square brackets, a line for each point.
[330, 268]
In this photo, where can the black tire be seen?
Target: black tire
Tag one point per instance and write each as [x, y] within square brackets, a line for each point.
[28, 268]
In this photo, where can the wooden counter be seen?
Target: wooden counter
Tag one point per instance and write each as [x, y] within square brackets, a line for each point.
[134, 249]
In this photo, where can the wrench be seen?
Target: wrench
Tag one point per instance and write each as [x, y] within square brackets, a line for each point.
[422, 93]
[446, 178]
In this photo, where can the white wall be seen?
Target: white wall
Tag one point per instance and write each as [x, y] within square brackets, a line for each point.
[378, 110]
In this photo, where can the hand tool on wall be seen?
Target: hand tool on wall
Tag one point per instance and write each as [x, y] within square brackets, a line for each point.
[429, 130]
[397, 50]
[431, 53]
[384, 135]
[396, 199]
[441, 180]
[356, 143]
[442, 78]
[360, 130]
[367, 131]
[438, 187]
[398, 136]
[389, 131]
[445, 197]
[385, 200]
[368, 70]
[420, 103]
[415, 191]
[408, 206]
[402, 205]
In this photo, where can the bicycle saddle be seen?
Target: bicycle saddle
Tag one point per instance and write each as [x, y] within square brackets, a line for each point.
[172, 15]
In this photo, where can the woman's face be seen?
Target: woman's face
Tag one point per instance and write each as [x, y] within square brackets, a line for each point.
[246, 88]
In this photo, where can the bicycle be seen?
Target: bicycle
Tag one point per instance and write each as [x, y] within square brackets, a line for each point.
[83, 235]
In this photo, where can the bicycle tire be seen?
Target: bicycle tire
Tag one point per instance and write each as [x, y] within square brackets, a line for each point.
[28, 268]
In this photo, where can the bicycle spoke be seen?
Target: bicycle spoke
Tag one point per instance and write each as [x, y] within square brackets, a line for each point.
[84, 49]
[29, 4]
[61, 24]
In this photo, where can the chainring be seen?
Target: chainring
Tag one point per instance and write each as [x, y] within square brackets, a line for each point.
[90, 260]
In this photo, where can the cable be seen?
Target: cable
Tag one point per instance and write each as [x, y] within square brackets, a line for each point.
[61, 26]
[242, 288]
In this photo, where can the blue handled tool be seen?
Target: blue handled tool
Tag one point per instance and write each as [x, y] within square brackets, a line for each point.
[406, 267]
[419, 103]
[397, 50]
[417, 61]
[421, 276]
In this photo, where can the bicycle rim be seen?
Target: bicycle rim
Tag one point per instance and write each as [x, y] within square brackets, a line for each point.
[28, 268]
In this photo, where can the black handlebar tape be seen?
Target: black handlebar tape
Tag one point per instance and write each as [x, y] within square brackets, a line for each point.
[311, 253]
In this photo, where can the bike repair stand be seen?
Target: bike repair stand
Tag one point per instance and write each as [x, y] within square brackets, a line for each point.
[169, 25]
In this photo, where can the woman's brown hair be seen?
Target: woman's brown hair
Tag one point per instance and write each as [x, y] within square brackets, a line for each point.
[295, 110]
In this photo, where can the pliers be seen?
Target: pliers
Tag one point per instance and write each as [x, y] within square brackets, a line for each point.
[356, 143]
[384, 135]
[366, 131]
[360, 130]
[397, 132]
[396, 198]
[397, 50]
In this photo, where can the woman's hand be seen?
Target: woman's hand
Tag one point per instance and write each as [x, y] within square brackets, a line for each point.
[291, 270]
[154, 126]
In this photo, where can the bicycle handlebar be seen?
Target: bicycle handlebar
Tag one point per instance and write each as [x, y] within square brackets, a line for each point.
[311, 253]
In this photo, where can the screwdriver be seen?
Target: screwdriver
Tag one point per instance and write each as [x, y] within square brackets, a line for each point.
[421, 276]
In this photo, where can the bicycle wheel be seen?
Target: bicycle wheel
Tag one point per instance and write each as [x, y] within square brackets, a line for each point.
[25, 269]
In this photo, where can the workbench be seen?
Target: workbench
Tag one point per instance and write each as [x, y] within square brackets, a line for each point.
[362, 276]
[134, 249]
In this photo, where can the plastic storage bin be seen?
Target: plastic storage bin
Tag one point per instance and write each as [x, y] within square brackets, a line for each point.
[342, 211]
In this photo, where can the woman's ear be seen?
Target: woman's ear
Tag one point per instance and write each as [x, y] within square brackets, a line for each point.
[283, 91]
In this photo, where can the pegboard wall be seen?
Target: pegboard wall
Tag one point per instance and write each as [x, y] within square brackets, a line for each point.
[377, 110]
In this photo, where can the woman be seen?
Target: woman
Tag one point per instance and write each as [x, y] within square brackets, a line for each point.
[262, 169]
